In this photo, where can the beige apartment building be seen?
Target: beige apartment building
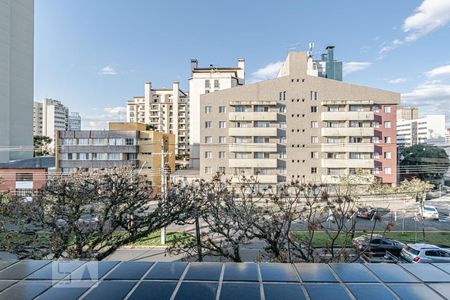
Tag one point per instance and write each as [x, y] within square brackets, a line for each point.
[164, 110]
[300, 125]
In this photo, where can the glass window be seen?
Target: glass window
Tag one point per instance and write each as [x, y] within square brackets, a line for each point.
[314, 124]
[131, 156]
[208, 124]
[313, 109]
[239, 109]
[282, 154]
[82, 156]
[315, 155]
[282, 125]
[222, 140]
[208, 109]
[375, 139]
[261, 155]
[208, 139]
[387, 124]
[222, 109]
[98, 141]
[222, 124]
[83, 141]
[24, 176]
[261, 139]
[387, 139]
[241, 140]
[113, 156]
[387, 109]
[208, 154]
[387, 155]
[221, 154]
[207, 84]
[314, 139]
[282, 108]
[208, 170]
[313, 170]
[334, 108]
[263, 124]
[222, 170]
[387, 170]
[283, 140]
[282, 170]
[129, 142]
[216, 84]
[261, 108]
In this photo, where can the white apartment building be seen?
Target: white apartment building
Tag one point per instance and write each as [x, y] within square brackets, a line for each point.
[50, 116]
[74, 121]
[206, 80]
[16, 78]
[430, 129]
[164, 110]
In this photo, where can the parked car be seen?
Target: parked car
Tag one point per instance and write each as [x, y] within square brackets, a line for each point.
[377, 244]
[366, 212]
[425, 253]
[429, 212]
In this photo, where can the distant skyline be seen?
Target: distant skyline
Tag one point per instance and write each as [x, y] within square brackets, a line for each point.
[94, 55]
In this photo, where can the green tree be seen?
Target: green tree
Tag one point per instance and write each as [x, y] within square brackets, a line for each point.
[42, 145]
[427, 162]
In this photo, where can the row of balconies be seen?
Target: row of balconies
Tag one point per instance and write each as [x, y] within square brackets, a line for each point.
[259, 178]
[253, 116]
[348, 131]
[348, 163]
[347, 116]
[253, 131]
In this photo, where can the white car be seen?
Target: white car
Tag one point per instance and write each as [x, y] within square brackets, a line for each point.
[425, 253]
[429, 212]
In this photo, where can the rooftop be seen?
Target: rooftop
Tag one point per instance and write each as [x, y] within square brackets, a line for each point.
[181, 280]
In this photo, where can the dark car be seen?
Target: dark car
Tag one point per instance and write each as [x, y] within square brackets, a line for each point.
[377, 244]
[366, 212]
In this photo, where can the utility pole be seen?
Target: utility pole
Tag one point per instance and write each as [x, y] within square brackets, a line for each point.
[163, 188]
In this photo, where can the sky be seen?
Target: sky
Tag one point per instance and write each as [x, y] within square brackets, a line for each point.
[94, 55]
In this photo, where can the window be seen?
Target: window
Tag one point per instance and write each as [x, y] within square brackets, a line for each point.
[355, 139]
[262, 124]
[376, 124]
[222, 170]
[208, 109]
[69, 142]
[208, 124]
[315, 155]
[282, 140]
[376, 108]
[282, 170]
[284, 95]
[376, 154]
[333, 108]
[313, 170]
[83, 141]
[387, 155]
[241, 140]
[99, 156]
[314, 139]
[116, 141]
[239, 109]
[131, 156]
[216, 84]
[208, 170]
[222, 124]
[222, 109]
[315, 95]
[281, 96]
[113, 156]
[261, 155]
[387, 109]
[313, 109]
[375, 139]
[387, 139]
[387, 124]
[82, 156]
[221, 154]
[282, 125]
[314, 124]
[242, 124]
[261, 139]
[24, 176]
[387, 170]
[242, 155]
[282, 154]
[207, 84]
[208, 139]
[129, 142]
[333, 140]
[222, 140]
[98, 141]
[261, 108]
[208, 154]
[282, 109]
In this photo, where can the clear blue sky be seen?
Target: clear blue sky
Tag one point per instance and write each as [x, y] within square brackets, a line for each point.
[94, 55]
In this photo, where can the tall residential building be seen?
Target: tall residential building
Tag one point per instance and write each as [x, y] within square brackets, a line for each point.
[16, 79]
[407, 113]
[204, 81]
[164, 110]
[430, 129]
[49, 117]
[123, 145]
[74, 121]
[299, 126]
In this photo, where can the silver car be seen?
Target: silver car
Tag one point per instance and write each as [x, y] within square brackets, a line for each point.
[425, 253]
[429, 212]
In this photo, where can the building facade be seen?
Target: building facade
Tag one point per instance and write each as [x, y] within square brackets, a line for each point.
[50, 116]
[299, 126]
[74, 121]
[16, 79]
[407, 113]
[123, 145]
[205, 80]
[164, 110]
[430, 129]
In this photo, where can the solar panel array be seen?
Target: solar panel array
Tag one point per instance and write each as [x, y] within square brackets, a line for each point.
[180, 280]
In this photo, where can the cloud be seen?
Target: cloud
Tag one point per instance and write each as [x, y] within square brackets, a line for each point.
[107, 70]
[430, 97]
[444, 70]
[354, 66]
[100, 121]
[429, 16]
[397, 80]
[267, 72]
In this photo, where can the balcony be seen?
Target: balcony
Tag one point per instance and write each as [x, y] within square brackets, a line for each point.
[336, 179]
[252, 116]
[348, 131]
[253, 147]
[347, 115]
[258, 178]
[253, 163]
[250, 102]
[347, 148]
[253, 131]
[348, 163]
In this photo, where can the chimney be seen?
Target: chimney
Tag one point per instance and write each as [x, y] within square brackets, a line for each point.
[194, 64]
[175, 86]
